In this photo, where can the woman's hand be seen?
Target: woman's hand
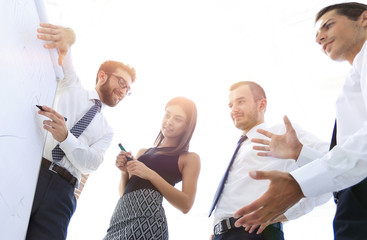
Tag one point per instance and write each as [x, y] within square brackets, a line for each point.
[137, 168]
[121, 160]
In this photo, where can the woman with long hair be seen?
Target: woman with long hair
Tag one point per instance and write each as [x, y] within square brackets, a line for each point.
[149, 177]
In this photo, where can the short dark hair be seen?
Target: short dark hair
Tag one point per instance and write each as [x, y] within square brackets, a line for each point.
[257, 91]
[111, 66]
[351, 10]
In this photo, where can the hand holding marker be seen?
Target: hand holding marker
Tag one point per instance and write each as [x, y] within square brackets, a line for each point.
[40, 108]
[123, 149]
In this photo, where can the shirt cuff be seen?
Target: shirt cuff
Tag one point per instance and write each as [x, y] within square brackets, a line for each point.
[307, 155]
[313, 178]
[69, 144]
[293, 212]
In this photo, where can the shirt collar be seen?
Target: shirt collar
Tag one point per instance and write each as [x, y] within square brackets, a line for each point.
[92, 94]
[252, 133]
[360, 54]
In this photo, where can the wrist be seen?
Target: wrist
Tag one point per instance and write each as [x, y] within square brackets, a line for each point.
[65, 136]
[61, 137]
[297, 151]
[152, 175]
[72, 36]
[298, 193]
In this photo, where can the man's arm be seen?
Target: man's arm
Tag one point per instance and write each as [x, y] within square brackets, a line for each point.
[62, 39]
[286, 146]
[58, 37]
[312, 147]
[306, 205]
[86, 157]
[332, 172]
[283, 193]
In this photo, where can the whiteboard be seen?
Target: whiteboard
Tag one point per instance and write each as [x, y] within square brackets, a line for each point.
[29, 76]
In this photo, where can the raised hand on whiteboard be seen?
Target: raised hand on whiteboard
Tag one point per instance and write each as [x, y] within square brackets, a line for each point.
[56, 123]
[56, 37]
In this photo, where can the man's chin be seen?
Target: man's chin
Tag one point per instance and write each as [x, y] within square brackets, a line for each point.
[237, 125]
[111, 103]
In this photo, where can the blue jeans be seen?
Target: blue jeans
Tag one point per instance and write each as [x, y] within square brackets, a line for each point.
[269, 233]
[53, 206]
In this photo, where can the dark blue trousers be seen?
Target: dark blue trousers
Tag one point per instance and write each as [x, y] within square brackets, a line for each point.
[53, 205]
[269, 233]
[350, 222]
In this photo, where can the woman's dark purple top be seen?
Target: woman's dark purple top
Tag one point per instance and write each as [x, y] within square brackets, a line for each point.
[165, 165]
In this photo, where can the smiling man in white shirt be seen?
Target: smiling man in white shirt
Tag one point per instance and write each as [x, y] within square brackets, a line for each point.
[341, 31]
[247, 101]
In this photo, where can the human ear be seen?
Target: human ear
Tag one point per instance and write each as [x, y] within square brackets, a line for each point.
[102, 77]
[364, 19]
[263, 104]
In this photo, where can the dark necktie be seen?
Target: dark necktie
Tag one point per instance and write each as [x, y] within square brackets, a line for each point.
[224, 179]
[332, 145]
[78, 128]
[333, 139]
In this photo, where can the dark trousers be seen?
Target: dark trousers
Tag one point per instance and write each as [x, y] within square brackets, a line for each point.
[269, 233]
[350, 222]
[53, 205]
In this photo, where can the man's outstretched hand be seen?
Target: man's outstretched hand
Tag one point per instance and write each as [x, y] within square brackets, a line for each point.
[286, 146]
[283, 192]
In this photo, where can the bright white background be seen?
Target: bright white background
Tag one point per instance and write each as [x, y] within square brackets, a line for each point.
[197, 49]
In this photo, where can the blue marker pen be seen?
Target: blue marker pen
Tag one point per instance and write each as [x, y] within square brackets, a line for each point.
[123, 149]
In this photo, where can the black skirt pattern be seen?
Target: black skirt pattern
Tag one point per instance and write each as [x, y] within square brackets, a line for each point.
[139, 215]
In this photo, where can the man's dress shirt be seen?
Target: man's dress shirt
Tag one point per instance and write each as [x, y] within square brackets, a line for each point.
[346, 164]
[84, 154]
[240, 189]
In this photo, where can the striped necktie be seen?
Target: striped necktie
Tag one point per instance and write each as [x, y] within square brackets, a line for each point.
[224, 179]
[78, 128]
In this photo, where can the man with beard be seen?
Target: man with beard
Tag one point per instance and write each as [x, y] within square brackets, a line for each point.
[74, 146]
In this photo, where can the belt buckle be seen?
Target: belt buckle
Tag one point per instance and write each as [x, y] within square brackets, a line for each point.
[218, 229]
[51, 167]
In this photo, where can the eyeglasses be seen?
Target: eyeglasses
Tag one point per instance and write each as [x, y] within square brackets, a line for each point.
[122, 83]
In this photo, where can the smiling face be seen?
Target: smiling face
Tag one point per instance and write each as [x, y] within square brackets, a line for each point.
[339, 37]
[174, 123]
[246, 112]
[109, 89]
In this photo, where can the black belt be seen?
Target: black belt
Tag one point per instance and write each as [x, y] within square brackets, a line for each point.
[65, 174]
[228, 223]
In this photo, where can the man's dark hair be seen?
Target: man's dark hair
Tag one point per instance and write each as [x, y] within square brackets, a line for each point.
[351, 10]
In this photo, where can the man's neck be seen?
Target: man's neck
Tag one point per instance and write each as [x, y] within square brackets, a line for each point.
[358, 49]
[248, 130]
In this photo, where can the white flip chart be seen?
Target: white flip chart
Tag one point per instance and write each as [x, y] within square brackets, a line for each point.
[28, 76]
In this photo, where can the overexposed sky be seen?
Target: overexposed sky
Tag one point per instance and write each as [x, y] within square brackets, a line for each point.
[197, 49]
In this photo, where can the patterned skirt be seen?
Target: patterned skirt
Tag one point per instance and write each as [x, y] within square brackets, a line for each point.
[139, 215]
